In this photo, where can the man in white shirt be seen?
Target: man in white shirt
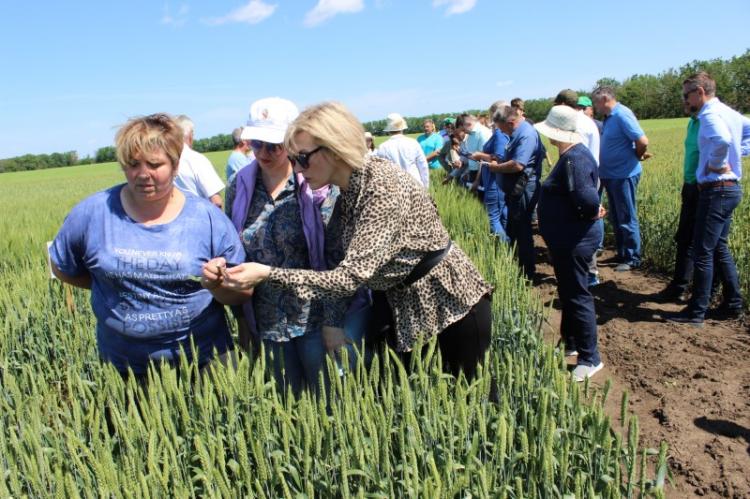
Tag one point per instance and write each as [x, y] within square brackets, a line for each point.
[195, 173]
[585, 126]
[404, 151]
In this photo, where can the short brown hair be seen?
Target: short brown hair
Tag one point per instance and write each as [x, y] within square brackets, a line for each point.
[146, 133]
[334, 127]
[703, 80]
[604, 91]
[518, 103]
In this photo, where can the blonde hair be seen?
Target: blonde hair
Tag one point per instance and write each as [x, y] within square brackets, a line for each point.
[146, 133]
[334, 127]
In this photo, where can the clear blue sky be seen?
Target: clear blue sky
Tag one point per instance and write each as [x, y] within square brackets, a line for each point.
[73, 71]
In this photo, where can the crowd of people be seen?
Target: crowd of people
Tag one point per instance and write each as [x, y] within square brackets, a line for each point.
[330, 244]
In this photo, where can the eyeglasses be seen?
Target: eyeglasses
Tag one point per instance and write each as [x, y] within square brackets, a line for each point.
[687, 94]
[303, 158]
[268, 146]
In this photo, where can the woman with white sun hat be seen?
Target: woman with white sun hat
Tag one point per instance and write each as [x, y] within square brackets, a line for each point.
[568, 210]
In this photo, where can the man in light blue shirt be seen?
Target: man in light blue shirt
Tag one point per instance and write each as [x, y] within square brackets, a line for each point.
[431, 143]
[239, 157]
[723, 137]
[622, 148]
[476, 136]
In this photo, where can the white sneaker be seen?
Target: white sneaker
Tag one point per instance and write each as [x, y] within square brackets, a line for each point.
[571, 353]
[580, 373]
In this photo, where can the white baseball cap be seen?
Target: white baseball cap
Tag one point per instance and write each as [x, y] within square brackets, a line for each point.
[269, 119]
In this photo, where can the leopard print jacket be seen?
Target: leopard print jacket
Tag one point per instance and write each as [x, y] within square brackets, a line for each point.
[388, 223]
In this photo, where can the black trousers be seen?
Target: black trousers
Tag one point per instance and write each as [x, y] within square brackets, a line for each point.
[463, 344]
[683, 265]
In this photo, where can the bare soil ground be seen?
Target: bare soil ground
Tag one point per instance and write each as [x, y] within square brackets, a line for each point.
[688, 386]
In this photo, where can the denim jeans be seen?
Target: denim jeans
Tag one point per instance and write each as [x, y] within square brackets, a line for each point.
[712, 223]
[355, 326]
[298, 362]
[520, 232]
[624, 217]
[494, 202]
[578, 323]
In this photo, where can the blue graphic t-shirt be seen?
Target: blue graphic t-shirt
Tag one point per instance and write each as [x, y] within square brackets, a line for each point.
[142, 296]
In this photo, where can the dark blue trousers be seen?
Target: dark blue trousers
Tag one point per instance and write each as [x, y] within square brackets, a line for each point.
[578, 324]
[712, 223]
[520, 210]
[494, 202]
[624, 217]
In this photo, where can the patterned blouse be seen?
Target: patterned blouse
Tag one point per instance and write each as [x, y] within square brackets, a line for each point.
[388, 222]
[273, 235]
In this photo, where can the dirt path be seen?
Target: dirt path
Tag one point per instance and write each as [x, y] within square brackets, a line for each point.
[688, 386]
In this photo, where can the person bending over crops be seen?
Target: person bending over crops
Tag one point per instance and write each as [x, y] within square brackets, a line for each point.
[283, 223]
[522, 168]
[393, 242]
[138, 247]
[493, 153]
[568, 210]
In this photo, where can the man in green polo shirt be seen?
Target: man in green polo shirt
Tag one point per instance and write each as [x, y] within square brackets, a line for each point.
[678, 287]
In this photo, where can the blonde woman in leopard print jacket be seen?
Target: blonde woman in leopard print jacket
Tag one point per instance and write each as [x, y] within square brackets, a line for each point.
[389, 224]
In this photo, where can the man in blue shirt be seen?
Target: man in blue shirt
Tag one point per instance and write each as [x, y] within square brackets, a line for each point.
[522, 169]
[239, 157]
[623, 147]
[723, 138]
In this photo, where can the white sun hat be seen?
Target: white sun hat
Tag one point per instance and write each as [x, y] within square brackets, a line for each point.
[560, 125]
[269, 119]
[396, 123]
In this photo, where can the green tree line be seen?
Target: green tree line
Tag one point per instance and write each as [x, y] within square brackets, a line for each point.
[649, 96]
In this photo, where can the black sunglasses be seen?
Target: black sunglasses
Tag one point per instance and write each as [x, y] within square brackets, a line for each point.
[268, 146]
[303, 158]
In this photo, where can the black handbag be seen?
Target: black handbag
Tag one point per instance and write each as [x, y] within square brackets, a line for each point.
[381, 327]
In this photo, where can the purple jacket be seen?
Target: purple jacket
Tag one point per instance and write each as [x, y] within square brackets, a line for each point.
[312, 225]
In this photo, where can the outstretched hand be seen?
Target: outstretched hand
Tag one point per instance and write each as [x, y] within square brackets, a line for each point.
[246, 275]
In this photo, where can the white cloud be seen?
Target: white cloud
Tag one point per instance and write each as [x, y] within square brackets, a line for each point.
[325, 9]
[253, 12]
[177, 20]
[455, 6]
[504, 83]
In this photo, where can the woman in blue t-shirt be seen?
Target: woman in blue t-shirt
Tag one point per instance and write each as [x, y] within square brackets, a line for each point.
[139, 247]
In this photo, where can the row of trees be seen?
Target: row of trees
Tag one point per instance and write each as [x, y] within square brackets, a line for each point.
[39, 161]
[106, 154]
[649, 96]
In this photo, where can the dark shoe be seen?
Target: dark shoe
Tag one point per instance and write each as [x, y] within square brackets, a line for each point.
[672, 294]
[726, 314]
[683, 317]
